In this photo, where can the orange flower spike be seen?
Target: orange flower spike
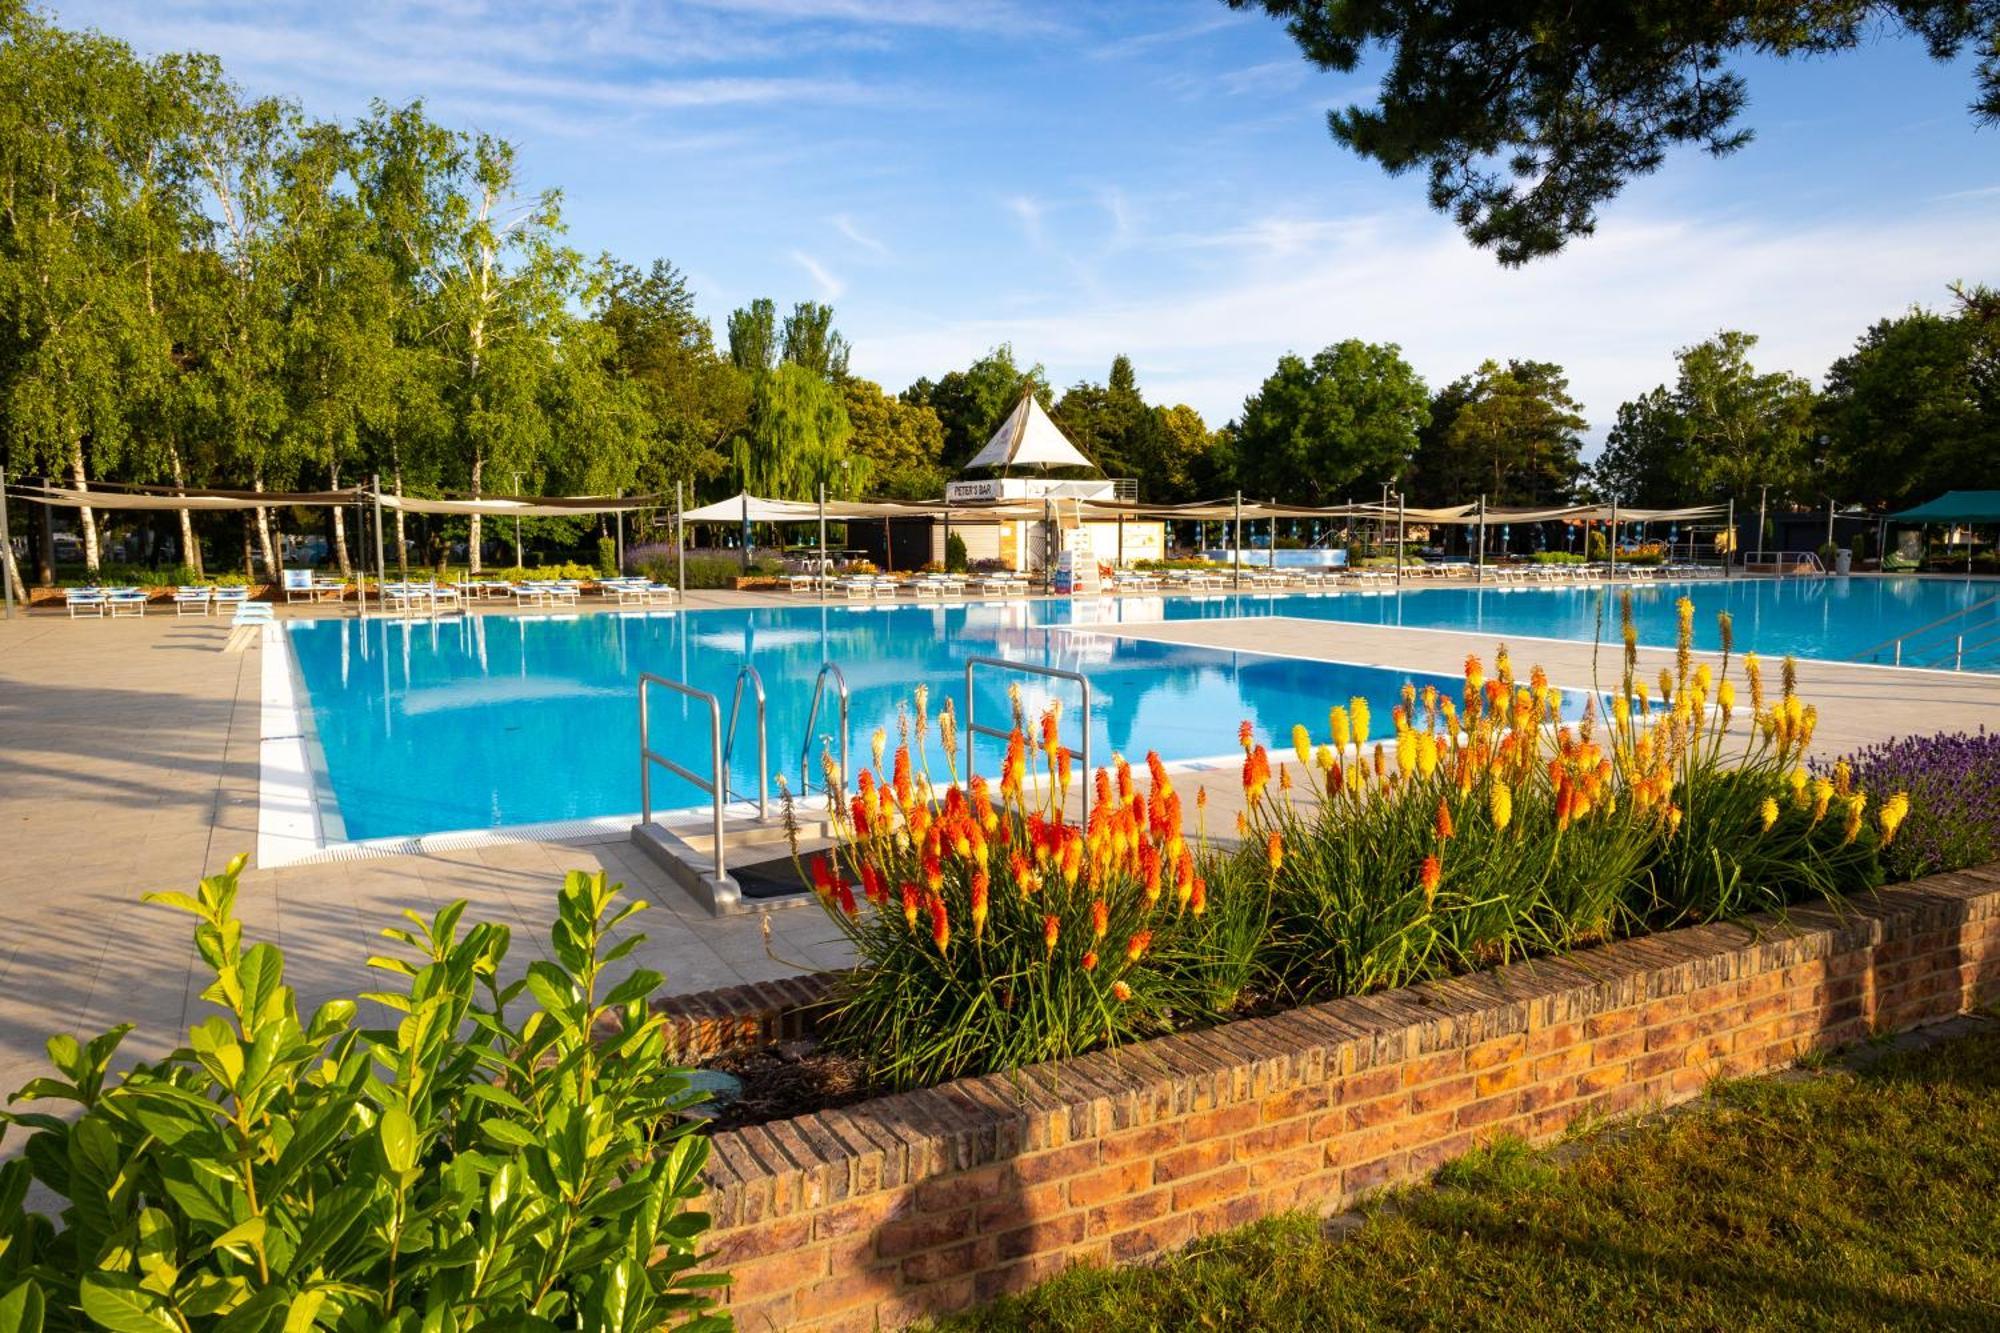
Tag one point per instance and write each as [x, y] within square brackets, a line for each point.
[1135, 948]
[902, 777]
[1475, 674]
[1274, 851]
[1051, 931]
[1120, 991]
[1049, 729]
[981, 894]
[1014, 770]
[933, 871]
[1125, 787]
[1244, 735]
[1090, 960]
[859, 808]
[848, 906]
[910, 905]
[940, 925]
[1072, 858]
[1198, 896]
[1150, 867]
[1100, 918]
[1442, 824]
[1429, 876]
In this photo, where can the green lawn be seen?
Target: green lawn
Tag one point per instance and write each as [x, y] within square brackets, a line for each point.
[1850, 1199]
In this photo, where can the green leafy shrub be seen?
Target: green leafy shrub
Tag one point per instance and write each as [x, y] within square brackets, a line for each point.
[954, 553]
[1557, 558]
[467, 1167]
[607, 557]
[1596, 546]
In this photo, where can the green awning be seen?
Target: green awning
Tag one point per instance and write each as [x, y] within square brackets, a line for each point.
[1956, 507]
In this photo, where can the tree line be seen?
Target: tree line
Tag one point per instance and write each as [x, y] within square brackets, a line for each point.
[205, 288]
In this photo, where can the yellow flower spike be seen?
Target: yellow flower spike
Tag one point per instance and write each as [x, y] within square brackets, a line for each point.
[1767, 813]
[1357, 709]
[1427, 754]
[1704, 679]
[1406, 751]
[880, 742]
[1302, 745]
[1843, 778]
[1822, 791]
[1621, 710]
[1337, 724]
[1323, 757]
[1501, 805]
[1725, 695]
[1857, 805]
[1891, 815]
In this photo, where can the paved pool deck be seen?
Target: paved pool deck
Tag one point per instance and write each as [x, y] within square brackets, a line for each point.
[129, 761]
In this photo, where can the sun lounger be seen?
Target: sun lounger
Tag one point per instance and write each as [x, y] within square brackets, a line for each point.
[126, 601]
[88, 599]
[193, 600]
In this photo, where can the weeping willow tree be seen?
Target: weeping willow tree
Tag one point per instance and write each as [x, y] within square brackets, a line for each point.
[799, 437]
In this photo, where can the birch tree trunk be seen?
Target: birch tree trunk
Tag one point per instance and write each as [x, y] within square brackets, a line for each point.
[402, 542]
[87, 515]
[264, 532]
[190, 548]
[472, 540]
[340, 528]
[13, 569]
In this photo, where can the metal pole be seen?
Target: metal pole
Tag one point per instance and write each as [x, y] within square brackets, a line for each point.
[1612, 545]
[618, 517]
[680, 542]
[1399, 539]
[1763, 493]
[819, 573]
[746, 532]
[6, 548]
[1237, 544]
[381, 565]
[361, 583]
[1479, 561]
[1272, 563]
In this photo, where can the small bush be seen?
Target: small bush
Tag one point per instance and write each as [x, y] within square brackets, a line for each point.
[1596, 547]
[1557, 558]
[480, 1162]
[1953, 781]
[954, 553]
[607, 557]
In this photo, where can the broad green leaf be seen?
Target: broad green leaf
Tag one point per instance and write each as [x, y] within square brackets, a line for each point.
[399, 1139]
[507, 1134]
[123, 1306]
[157, 1258]
[21, 1308]
[304, 1309]
[249, 1232]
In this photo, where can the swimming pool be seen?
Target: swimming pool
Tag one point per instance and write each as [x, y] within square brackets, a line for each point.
[490, 721]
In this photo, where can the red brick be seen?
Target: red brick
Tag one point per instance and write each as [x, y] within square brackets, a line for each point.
[1380, 1111]
[1057, 1233]
[1148, 1142]
[1222, 1122]
[1168, 1233]
[1133, 1210]
[1498, 1051]
[845, 1291]
[1112, 1182]
[923, 1232]
[1610, 1023]
[1211, 1188]
[1299, 1101]
[1437, 1096]
[1192, 1160]
[1012, 1207]
[1430, 1068]
[1370, 1084]
[1055, 1164]
[1485, 1112]
[1503, 1078]
[937, 1265]
[1271, 1138]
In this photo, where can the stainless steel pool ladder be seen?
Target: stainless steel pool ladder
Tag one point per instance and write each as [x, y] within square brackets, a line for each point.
[1960, 619]
[720, 744]
[974, 727]
[812, 716]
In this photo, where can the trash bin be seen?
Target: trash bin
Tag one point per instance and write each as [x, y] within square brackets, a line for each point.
[1843, 561]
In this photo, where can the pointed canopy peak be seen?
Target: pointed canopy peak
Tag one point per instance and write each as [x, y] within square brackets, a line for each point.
[1028, 438]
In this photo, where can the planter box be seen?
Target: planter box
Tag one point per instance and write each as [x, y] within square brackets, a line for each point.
[757, 582]
[925, 1202]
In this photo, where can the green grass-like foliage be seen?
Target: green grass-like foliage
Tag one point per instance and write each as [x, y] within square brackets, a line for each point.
[504, 1156]
[1852, 1200]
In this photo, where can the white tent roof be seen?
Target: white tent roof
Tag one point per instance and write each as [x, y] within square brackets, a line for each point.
[740, 506]
[1027, 438]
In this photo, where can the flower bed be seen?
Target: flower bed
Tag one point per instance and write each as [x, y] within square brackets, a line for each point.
[935, 1199]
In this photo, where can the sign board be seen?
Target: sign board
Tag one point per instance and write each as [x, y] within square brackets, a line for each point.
[959, 492]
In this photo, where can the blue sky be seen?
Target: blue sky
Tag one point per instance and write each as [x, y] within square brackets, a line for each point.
[1148, 177]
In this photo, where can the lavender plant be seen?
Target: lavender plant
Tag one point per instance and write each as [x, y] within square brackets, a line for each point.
[1953, 779]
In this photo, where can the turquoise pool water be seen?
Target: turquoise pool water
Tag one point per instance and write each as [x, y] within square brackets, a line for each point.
[490, 721]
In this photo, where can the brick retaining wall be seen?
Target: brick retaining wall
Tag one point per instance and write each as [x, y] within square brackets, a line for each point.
[931, 1201]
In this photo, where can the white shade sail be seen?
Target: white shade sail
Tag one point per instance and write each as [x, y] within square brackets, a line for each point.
[741, 506]
[1027, 438]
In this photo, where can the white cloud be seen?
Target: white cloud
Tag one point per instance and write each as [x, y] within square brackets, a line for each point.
[1029, 210]
[846, 226]
[830, 286]
[1613, 310]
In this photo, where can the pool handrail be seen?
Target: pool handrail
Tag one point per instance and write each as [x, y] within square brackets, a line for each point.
[718, 789]
[1897, 642]
[749, 673]
[812, 716]
[973, 727]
